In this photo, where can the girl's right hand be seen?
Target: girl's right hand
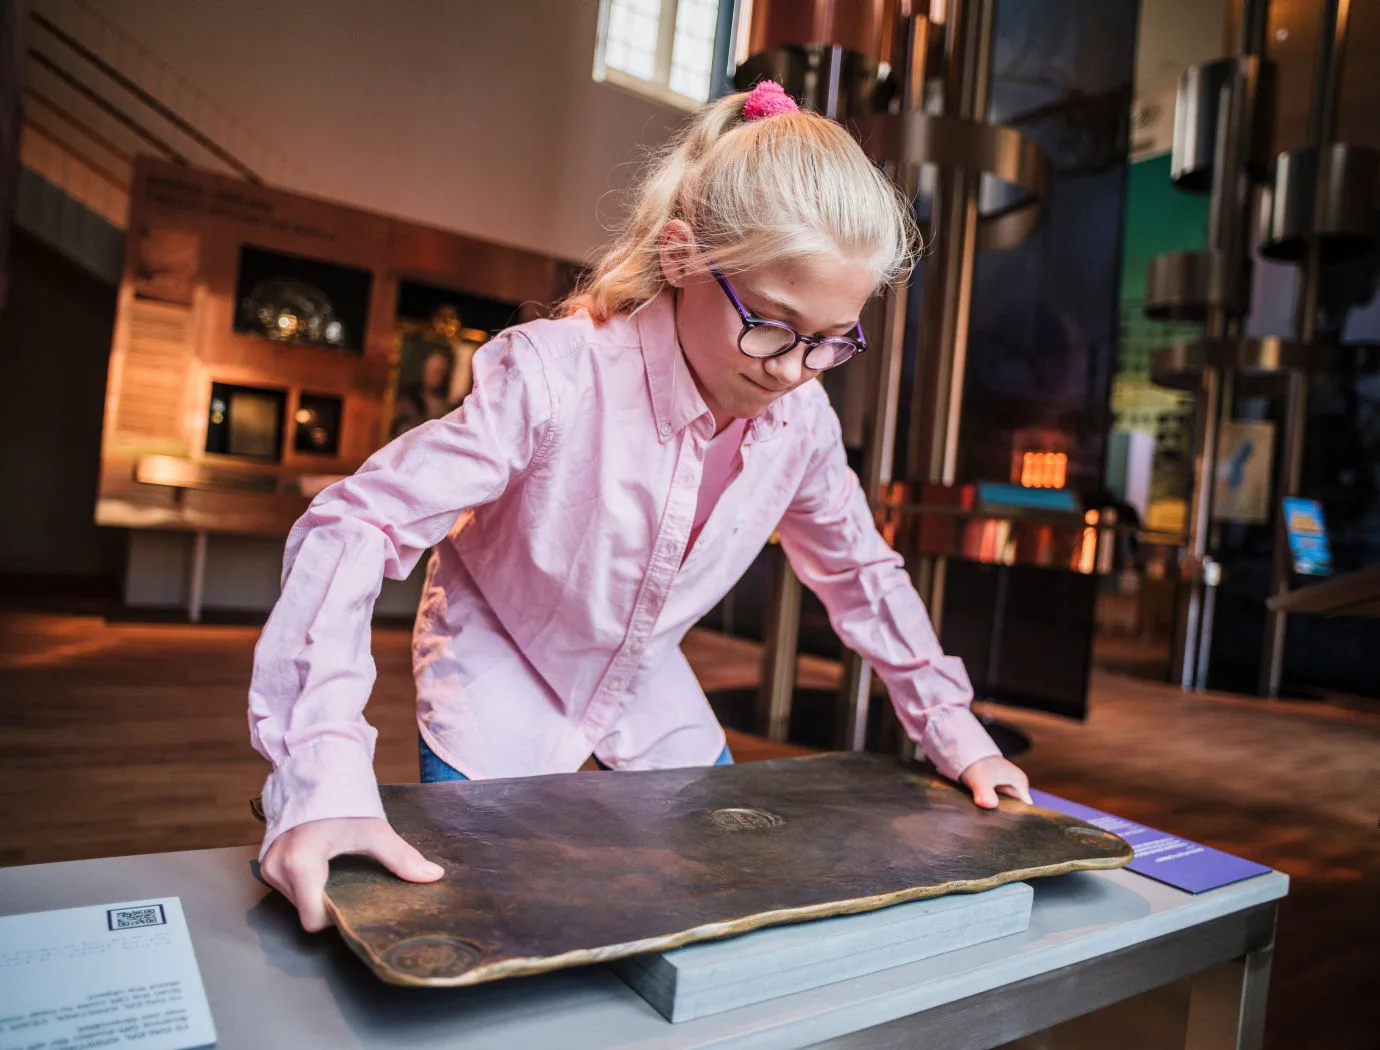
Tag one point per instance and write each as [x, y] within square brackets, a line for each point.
[299, 860]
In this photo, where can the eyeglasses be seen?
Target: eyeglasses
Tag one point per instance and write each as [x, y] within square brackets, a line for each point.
[761, 338]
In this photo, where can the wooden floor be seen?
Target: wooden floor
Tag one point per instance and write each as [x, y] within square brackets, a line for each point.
[126, 738]
[133, 737]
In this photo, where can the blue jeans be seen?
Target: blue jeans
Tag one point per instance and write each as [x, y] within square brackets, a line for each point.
[436, 770]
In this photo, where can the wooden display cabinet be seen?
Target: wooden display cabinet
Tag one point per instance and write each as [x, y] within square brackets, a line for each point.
[198, 245]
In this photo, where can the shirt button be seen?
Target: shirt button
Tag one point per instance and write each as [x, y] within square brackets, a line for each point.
[635, 647]
[615, 684]
[665, 429]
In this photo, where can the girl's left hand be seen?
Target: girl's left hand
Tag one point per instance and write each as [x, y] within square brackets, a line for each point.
[989, 777]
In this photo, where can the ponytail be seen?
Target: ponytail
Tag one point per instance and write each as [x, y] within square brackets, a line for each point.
[788, 185]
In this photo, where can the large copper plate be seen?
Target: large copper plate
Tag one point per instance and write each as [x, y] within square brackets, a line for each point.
[548, 872]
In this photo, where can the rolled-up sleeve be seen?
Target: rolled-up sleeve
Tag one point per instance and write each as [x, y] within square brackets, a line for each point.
[830, 536]
[313, 669]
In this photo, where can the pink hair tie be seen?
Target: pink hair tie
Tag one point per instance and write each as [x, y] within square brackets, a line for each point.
[768, 99]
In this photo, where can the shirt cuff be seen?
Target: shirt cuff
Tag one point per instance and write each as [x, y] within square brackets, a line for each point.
[325, 780]
[954, 739]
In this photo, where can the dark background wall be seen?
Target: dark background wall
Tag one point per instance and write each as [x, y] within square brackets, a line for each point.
[55, 336]
[12, 21]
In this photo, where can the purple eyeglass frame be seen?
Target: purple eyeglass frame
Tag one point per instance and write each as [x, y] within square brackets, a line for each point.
[858, 342]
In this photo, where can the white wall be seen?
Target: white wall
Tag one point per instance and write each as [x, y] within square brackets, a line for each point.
[479, 116]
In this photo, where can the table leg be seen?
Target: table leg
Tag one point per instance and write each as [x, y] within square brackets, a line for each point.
[196, 584]
[1226, 1008]
[780, 650]
[855, 701]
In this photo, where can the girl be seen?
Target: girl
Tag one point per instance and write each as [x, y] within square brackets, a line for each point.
[609, 478]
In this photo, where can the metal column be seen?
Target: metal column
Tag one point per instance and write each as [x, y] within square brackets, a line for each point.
[816, 74]
[942, 340]
[948, 269]
[855, 689]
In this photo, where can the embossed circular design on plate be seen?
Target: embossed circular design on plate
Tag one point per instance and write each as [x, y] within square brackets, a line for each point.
[1092, 835]
[433, 955]
[742, 819]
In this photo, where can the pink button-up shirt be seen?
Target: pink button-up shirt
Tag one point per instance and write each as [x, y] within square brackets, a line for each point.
[559, 500]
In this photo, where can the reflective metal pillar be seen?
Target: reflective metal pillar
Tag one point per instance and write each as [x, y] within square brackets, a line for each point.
[855, 688]
[948, 280]
[827, 55]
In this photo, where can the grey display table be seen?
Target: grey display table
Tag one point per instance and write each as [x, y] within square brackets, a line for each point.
[1094, 939]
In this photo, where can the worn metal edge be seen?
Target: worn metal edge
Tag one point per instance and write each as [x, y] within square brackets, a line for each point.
[527, 966]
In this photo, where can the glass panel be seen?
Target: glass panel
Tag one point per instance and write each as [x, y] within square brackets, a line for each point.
[692, 54]
[254, 423]
[630, 41]
[245, 421]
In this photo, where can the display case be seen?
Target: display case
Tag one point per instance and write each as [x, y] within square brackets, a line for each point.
[307, 302]
[246, 421]
[316, 425]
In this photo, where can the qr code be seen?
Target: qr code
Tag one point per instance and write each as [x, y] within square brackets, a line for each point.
[133, 918]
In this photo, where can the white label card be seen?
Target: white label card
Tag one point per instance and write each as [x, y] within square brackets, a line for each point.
[112, 975]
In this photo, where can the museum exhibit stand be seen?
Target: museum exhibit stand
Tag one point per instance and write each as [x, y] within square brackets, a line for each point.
[1198, 964]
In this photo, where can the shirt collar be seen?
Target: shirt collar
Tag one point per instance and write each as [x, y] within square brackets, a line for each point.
[676, 400]
[769, 423]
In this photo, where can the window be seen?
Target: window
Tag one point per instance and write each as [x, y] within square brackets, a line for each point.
[669, 50]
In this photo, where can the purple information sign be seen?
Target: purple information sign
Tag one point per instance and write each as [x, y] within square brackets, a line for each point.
[1177, 862]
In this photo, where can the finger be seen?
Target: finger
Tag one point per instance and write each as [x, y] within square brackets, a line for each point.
[1023, 784]
[984, 796]
[306, 879]
[1017, 791]
[400, 857]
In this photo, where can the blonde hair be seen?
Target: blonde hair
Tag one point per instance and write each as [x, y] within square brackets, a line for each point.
[779, 187]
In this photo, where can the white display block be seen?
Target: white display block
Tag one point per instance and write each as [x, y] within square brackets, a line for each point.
[713, 976]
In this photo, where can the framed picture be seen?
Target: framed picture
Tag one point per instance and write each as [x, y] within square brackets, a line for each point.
[435, 368]
[1245, 455]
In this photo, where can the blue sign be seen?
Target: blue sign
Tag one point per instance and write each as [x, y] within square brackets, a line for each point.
[992, 494]
[1307, 531]
[1165, 858]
